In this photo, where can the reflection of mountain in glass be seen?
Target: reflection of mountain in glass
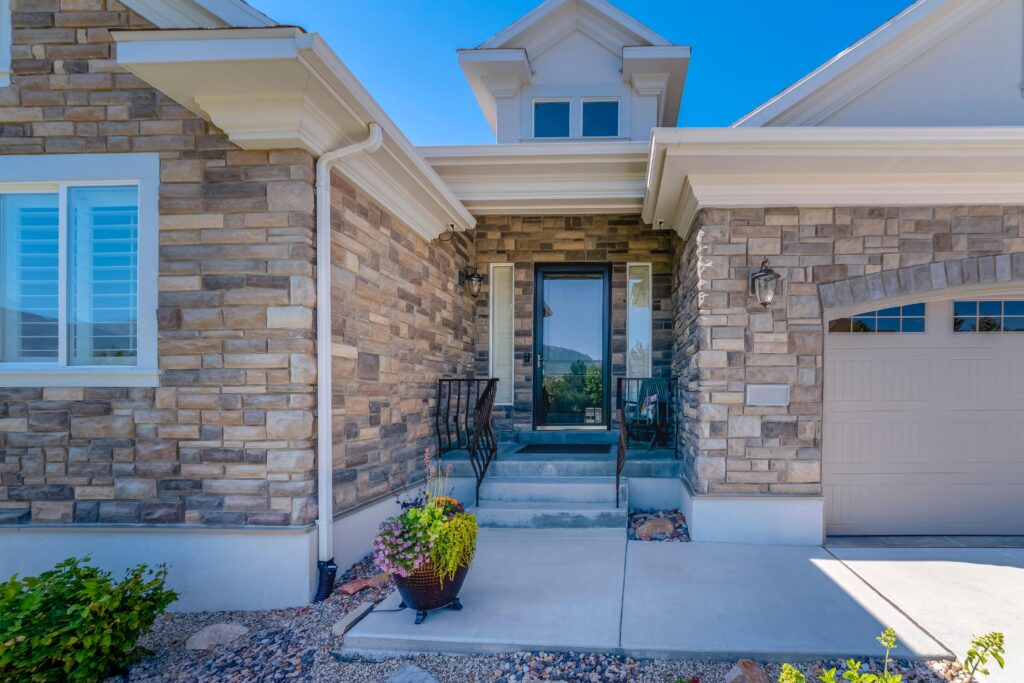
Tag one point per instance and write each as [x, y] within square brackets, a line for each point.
[558, 360]
[36, 338]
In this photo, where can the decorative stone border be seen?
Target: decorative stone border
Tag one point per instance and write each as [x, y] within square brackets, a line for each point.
[977, 270]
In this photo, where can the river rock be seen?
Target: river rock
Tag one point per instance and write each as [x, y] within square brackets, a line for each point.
[214, 636]
[746, 671]
[655, 526]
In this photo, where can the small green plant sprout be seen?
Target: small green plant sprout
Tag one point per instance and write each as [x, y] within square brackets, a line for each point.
[791, 674]
[853, 674]
[828, 676]
[983, 647]
[887, 639]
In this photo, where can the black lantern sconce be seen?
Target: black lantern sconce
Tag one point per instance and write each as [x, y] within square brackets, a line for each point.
[471, 277]
[764, 284]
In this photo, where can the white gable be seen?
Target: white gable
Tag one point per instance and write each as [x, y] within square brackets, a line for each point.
[576, 52]
[940, 63]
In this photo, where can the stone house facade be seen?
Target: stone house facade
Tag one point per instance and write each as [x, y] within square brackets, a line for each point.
[226, 438]
[289, 402]
[828, 257]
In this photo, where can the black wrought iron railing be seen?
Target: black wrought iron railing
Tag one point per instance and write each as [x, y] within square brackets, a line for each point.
[462, 421]
[620, 459]
[648, 414]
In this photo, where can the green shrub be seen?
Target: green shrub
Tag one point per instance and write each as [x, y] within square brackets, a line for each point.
[74, 623]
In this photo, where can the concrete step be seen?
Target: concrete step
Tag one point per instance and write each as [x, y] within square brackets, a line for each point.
[551, 489]
[508, 466]
[533, 515]
[573, 436]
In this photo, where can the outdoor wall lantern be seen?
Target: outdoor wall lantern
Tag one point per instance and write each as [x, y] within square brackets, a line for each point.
[765, 284]
[469, 276]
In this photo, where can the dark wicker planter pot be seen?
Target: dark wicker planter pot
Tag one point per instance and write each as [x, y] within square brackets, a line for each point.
[423, 590]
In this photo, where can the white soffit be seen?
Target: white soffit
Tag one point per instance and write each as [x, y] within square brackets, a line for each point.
[699, 168]
[545, 178]
[200, 13]
[281, 88]
[866, 63]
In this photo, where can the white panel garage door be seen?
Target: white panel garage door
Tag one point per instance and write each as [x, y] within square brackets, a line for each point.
[924, 431]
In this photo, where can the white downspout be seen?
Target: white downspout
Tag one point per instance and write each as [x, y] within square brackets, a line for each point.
[325, 439]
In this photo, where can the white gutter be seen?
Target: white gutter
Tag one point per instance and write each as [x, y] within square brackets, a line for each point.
[325, 432]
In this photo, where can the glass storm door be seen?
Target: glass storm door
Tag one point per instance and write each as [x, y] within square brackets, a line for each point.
[571, 319]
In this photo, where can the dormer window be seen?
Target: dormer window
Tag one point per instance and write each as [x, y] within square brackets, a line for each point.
[551, 119]
[600, 118]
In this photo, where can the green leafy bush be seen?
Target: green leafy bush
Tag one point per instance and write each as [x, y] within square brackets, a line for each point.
[74, 623]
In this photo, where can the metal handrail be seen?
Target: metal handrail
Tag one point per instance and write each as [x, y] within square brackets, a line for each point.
[620, 460]
[462, 420]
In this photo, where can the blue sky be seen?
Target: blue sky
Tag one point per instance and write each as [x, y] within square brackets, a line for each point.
[744, 51]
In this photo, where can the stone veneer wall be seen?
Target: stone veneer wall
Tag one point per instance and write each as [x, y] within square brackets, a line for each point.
[529, 240]
[400, 321]
[227, 438]
[725, 340]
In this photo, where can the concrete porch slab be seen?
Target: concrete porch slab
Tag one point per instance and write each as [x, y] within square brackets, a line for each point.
[955, 593]
[763, 602]
[528, 589]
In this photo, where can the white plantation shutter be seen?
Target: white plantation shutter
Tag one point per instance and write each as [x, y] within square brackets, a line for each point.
[502, 291]
[104, 270]
[29, 298]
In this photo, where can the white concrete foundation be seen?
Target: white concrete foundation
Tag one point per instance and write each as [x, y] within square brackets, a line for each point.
[766, 520]
[211, 569]
[654, 493]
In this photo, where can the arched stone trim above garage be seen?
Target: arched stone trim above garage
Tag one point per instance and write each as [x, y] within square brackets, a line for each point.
[920, 279]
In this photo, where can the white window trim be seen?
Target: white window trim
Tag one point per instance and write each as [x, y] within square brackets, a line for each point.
[54, 173]
[490, 326]
[618, 118]
[6, 43]
[650, 298]
[549, 100]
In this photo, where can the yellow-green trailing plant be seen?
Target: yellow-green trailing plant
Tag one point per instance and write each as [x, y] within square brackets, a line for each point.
[454, 546]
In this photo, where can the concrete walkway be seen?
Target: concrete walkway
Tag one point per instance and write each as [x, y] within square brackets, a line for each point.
[953, 593]
[593, 591]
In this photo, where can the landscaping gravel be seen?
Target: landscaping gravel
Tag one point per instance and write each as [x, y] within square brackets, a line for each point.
[640, 517]
[297, 645]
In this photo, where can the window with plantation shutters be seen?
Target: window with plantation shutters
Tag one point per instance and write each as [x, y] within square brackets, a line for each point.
[29, 301]
[104, 273]
[502, 341]
[78, 270]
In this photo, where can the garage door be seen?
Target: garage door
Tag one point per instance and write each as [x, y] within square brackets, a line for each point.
[924, 419]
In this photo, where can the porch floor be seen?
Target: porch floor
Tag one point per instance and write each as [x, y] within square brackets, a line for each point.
[591, 590]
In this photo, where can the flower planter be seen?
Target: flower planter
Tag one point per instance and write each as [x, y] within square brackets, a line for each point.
[423, 590]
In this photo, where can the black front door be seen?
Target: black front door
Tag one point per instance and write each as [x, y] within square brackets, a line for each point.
[572, 366]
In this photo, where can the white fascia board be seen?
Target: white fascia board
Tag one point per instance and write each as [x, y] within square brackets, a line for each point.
[601, 9]
[691, 169]
[281, 88]
[184, 14]
[591, 178]
[855, 70]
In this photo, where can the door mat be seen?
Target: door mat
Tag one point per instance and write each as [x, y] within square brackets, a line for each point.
[568, 448]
